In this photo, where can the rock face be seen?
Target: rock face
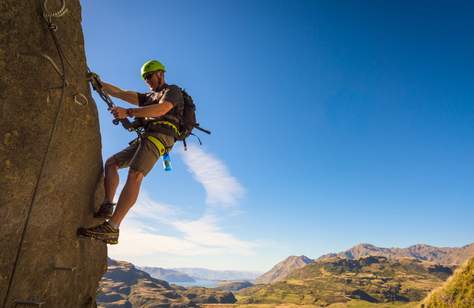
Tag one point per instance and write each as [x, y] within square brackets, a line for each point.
[283, 269]
[442, 255]
[50, 160]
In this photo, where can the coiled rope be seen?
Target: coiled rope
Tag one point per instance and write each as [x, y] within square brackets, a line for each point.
[52, 29]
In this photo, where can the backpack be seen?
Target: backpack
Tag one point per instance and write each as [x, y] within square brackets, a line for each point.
[188, 121]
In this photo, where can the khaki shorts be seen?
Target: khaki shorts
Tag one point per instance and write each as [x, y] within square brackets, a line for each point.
[142, 154]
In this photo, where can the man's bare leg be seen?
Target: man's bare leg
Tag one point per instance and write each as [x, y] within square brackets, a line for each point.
[128, 196]
[111, 180]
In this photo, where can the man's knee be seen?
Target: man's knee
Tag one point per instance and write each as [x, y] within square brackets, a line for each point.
[135, 175]
[111, 163]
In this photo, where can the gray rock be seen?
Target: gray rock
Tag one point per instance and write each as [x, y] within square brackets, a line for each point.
[50, 161]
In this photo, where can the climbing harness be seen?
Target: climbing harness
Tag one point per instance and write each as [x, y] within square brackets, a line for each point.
[177, 134]
[158, 144]
[168, 124]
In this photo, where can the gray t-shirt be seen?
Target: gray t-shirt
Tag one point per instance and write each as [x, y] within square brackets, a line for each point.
[169, 93]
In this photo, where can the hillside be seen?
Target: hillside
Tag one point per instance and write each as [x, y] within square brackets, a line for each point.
[441, 255]
[233, 285]
[335, 280]
[283, 269]
[125, 286]
[458, 291]
[167, 274]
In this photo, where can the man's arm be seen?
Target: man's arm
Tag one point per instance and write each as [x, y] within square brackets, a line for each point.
[155, 110]
[128, 96]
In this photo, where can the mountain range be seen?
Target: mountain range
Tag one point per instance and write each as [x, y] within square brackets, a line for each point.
[441, 255]
[168, 275]
[375, 279]
[208, 274]
[191, 275]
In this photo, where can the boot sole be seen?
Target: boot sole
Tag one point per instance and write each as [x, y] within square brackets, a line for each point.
[108, 240]
[103, 216]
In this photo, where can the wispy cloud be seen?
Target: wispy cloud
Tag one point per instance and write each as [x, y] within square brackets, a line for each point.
[137, 241]
[153, 227]
[222, 189]
[144, 231]
[208, 234]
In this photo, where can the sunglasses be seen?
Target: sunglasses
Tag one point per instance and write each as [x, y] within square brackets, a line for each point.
[148, 76]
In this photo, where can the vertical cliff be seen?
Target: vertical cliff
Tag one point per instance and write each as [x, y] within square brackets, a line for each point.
[50, 158]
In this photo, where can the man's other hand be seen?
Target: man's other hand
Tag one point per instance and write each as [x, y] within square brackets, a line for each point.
[119, 112]
[95, 79]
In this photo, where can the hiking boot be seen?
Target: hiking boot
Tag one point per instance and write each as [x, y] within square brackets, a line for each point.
[105, 211]
[104, 232]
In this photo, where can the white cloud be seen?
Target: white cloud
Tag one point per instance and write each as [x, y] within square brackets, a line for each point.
[146, 207]
[221, 187]
[208, 234]
[136, 241]
[152, 227]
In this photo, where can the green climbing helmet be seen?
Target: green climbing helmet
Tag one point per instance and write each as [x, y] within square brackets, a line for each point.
[152, 66]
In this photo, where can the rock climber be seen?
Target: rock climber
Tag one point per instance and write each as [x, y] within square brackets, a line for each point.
[159, 111]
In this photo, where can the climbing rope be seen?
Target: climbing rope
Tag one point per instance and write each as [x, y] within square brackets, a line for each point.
[48, 16]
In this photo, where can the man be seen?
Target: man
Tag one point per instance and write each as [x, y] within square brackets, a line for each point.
[160, 111]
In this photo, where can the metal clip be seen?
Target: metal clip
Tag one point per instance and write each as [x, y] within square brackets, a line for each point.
[84, 102]
[28, 303]
[64, 268]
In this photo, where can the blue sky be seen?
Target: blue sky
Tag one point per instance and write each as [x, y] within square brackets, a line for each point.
[333, 123]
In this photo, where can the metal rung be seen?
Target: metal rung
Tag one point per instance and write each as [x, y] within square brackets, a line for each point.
[28, 303]
[63, 268]
[55, 88]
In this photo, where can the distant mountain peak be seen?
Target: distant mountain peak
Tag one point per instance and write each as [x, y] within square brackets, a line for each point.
[365, 245]
[303, 258]
[422, 246]
[284, 268]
